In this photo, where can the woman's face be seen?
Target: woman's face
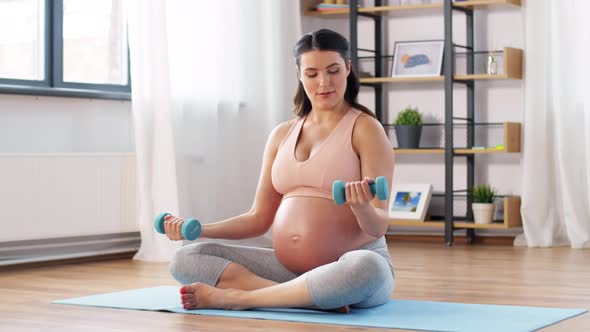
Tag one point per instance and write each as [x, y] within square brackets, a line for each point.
[323, 75]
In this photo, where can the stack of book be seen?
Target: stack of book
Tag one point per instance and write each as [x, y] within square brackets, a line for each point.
[327, 7]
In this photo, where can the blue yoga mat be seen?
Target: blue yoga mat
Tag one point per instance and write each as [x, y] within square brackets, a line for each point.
[401, 314]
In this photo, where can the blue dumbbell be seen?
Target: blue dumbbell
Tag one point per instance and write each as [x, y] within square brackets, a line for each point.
[380, 187]
[191, 228]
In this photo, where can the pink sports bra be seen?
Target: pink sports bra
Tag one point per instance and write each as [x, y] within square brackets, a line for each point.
[335, 159]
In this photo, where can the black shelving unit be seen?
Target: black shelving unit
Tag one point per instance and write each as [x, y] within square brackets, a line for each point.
[378, 51]
[449, 83]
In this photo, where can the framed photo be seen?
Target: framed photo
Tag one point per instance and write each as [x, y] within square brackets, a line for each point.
[417, 58]
[409, 201]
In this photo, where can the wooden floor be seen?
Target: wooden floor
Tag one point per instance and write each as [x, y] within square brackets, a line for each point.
[558, 277]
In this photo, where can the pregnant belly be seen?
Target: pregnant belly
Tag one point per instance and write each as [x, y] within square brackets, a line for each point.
[309, 232]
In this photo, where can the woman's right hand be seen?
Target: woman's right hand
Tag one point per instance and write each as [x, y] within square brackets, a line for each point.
[173, 226]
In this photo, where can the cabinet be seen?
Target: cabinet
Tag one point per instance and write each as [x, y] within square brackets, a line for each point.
[508, 139]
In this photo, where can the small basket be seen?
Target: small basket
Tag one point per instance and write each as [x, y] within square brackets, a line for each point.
[484, 63]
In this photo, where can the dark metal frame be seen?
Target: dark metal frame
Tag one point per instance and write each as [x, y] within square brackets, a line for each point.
[449, 118]
[449, 81]
[378, 51]
[53, 84]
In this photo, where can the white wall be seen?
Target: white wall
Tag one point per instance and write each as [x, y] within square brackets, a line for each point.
[30, 124]
[42, 140]
[496, 101]
[67, 195]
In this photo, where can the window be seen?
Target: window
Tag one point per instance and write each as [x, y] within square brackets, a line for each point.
[22, 41]
[64, 47]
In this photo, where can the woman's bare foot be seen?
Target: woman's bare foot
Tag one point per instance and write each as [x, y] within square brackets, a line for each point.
[342, 310]
[201, 296]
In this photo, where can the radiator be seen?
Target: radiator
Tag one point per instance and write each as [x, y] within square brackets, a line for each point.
[66, 197]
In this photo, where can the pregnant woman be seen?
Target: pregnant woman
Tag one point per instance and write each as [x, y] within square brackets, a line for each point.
[325, 255]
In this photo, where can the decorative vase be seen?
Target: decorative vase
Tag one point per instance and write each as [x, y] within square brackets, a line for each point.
[408, 137]
[483, 213]
[492, 65]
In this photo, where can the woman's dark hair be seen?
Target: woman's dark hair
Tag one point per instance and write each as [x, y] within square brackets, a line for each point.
[326, 40]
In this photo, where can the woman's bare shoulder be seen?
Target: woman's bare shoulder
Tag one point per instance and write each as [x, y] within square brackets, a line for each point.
[279, 132]
[366, 124]
[368, 131]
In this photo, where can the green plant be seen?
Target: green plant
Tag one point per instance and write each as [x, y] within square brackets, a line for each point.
[483, 194]
[408, 117]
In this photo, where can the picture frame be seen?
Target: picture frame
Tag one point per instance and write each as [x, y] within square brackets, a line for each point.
[417, 58]
[409, 201]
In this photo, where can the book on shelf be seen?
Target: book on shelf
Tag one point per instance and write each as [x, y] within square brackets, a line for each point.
[323, 7]
[331, 5]
[329, 9]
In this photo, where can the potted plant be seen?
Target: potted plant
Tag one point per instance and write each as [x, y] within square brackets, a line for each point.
[483, 204]
[408, 128]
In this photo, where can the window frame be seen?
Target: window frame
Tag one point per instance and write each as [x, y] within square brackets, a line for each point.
[53, 84]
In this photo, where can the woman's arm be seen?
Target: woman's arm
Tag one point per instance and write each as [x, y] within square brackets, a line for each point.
[376, 156]
[266, 202]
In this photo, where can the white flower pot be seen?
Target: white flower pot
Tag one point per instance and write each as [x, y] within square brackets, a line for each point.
[483, 213]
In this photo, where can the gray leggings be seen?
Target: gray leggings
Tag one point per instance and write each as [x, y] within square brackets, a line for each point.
[360, 278]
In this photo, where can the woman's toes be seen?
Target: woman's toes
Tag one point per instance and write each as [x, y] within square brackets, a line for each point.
[187, 289]
[196, 295]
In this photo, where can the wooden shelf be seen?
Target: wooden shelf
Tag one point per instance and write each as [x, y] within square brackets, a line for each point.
[376, 80]
[385, 10]
[481, 77]
[511, 219]
[419, 151]
[474, 4]
[512, 70]
[379, 10]
[511, 141]
[511, 144]
[441, 224]
[442, 151]
[512, 58]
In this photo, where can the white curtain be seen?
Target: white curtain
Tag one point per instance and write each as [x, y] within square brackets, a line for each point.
[556, 156]
[210, 79]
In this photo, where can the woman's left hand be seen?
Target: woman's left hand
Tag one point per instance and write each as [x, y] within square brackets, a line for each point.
[358, 193]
